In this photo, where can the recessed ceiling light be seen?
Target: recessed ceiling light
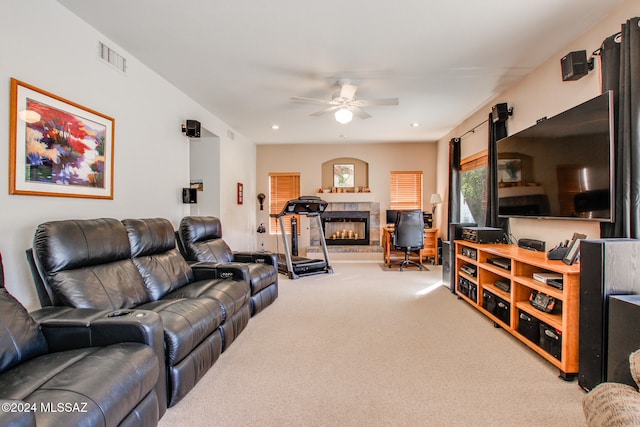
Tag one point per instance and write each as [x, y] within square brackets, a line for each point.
[275, 127]
[415, 124]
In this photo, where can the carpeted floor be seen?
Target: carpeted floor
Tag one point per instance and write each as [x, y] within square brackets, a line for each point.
[360, 348]
[395, 268]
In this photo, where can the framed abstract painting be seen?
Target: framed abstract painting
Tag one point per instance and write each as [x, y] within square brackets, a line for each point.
[58, 147]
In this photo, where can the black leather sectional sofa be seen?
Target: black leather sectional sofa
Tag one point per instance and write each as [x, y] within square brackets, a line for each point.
[121, 269]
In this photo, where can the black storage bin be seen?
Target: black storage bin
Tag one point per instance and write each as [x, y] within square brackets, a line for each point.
[463, 286]
[503, 310]
[473, 291]
[529, 326]
[551, 340]
[489, 302]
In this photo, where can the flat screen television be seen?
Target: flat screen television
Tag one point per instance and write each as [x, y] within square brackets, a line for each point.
[561, 167]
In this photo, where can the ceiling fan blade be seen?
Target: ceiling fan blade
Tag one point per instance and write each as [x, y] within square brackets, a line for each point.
[326, 110]
[348, 91]
[312, 100]
[367, 102]
[360, 113]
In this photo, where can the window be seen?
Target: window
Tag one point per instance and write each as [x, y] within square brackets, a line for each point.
[473, 185]
[283, 186]
[406, 190]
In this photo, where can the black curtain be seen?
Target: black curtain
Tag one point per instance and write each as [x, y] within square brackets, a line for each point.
[454, 181]
[497, 131]
[620, 66]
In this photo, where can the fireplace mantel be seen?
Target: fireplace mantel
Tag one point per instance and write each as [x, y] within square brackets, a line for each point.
[347, 197]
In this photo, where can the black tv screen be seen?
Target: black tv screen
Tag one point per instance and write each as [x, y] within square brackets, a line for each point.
[561, 167]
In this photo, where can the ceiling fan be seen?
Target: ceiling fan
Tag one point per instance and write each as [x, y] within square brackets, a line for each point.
[345, 104]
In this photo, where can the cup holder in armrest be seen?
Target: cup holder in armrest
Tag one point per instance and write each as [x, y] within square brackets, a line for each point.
[120, 313]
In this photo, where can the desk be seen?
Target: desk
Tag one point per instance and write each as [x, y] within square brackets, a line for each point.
[430, 249]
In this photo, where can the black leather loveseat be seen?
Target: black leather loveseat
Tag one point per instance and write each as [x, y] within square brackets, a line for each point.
[77, 367]
[200, 239]
[134, 264]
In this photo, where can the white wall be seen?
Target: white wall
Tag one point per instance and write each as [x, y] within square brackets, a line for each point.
[541, 93]
[47, 46]
[204, 161]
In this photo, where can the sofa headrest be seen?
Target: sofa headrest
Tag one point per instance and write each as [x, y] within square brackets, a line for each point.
[200, 228]
[150, 236]
[71, 244]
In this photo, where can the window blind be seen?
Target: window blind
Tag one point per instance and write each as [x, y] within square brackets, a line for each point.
[406, 190]
[283, 186]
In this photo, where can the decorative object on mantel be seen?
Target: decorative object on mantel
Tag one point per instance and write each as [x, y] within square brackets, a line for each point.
[57, 147]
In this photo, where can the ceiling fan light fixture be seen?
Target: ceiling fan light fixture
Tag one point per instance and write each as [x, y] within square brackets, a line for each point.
[344, 115]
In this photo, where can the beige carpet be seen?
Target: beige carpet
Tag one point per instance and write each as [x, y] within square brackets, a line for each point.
[361, 348]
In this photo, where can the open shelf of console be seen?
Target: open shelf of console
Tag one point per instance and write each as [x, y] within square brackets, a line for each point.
[502, 288]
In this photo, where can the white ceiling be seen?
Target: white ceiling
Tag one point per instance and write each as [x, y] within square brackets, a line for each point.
[243, 60]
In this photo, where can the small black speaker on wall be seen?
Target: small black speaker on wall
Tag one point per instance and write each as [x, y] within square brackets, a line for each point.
[189, 195]
[500, 112]
[193, 129]
[575, 65]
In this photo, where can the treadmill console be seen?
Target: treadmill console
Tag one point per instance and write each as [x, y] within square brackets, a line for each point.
[305, 205]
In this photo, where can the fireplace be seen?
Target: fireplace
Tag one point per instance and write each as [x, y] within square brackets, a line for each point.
[346, 227]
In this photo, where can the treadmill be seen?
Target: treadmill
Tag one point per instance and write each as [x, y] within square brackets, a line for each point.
[291, 264]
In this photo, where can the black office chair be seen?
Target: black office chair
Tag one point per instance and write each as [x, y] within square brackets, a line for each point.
[409, 235]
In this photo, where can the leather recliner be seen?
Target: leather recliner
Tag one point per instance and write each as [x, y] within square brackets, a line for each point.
[79, 369]
[168, 275]
[88, 264]
[200, 239]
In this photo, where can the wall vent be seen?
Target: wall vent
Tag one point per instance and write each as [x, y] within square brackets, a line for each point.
[111, 57]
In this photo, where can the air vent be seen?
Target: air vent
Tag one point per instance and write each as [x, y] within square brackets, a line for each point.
[111, 57]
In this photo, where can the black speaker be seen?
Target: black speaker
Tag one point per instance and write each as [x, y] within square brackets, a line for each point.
[500, 113]
[606, 268]
[532, 244]
[574, 65]
[193, 129]
[189, 195]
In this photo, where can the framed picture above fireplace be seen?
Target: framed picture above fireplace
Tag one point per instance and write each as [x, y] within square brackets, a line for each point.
[343, 175]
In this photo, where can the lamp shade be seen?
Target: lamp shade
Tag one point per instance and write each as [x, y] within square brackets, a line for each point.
[435, 198]
[344, 115]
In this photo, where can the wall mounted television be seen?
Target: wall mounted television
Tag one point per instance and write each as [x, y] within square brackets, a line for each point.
[561, 167]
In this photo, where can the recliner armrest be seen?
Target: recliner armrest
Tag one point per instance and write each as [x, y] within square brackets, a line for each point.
[220, 270]
[256, 257]
[67, 328]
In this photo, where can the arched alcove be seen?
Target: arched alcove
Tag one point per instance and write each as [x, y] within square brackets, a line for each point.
[360, 173]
